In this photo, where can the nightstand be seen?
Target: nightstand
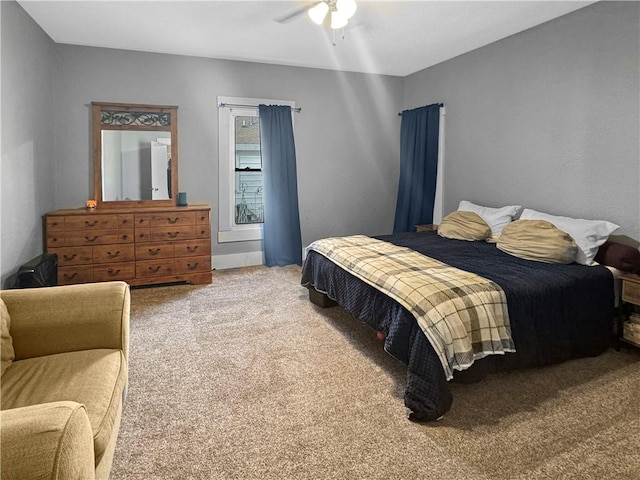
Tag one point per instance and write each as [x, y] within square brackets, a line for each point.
[426, 227]
[630, 299]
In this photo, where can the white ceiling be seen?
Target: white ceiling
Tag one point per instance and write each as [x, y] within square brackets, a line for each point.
[388, 37]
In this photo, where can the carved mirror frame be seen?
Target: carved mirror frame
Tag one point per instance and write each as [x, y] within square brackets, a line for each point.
[132, 117]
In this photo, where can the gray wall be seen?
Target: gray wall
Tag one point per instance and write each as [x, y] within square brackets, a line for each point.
[27, 167]
[347, 134]
[547, 118]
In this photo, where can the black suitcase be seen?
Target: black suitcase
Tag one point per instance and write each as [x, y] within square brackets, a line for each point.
[41, 271]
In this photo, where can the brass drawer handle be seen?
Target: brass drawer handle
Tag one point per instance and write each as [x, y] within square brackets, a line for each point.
[192, 249]
[113, 255]
[69, 257]
[192, 266]
[172, 220]
[203, 232]
[141, 220]
[95, 237]
[124, 236]
[69, 277]
[154, 251]
[173, 234]
[203, 217]
[55, 224]
[113, 273]
[155, 269]
[91, 224]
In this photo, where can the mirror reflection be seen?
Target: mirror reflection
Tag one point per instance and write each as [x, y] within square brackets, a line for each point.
[136, 165]
[135, 155]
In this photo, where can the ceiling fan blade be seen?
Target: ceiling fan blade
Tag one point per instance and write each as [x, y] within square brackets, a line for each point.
[289, 17]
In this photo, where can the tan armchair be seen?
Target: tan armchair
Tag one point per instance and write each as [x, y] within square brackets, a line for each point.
[64, 377]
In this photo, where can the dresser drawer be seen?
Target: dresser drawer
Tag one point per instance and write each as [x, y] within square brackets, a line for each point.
[173, 218]
[631, 291]
[125, 222]
[75, 274]
[164, 219]
[202, 217]
[171, 233]
[150, 251]
[164, 234]
[113, 253]
[192, 248]
[91, 222]
[55, 239]
[154, 268]
[142, 234]
[96, 237]
[193, 264]
[203, 231]
[114, 271]
[54, 224]
[73, 255]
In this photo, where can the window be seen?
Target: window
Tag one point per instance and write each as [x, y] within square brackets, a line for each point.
[241, 202]
[248, 171]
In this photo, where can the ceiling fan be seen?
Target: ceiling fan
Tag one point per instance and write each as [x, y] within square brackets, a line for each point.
[338, 11]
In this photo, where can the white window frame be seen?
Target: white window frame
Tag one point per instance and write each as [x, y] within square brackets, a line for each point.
[438, 204]
[228, 109]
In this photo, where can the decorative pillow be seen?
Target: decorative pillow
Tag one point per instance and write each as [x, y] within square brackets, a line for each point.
[537, 240]
[622, 257]
[588, 234]
[6, 343]
[496, 218]
[464, 226]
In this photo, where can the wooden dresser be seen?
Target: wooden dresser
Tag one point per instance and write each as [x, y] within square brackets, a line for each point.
[138, 245]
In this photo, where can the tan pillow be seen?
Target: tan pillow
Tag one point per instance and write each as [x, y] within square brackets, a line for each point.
[461, 225]
[6, 344]
[537, 240]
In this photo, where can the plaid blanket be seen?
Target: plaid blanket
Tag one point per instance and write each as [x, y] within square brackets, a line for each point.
[463, 315]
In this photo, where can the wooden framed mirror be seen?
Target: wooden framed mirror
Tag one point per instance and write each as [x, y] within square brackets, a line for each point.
[135, 155]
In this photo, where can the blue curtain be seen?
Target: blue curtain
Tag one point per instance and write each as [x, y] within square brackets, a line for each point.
[419, 132]
[282, 238]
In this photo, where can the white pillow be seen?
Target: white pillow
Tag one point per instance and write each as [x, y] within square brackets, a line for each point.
[496, 218]
[588, 234]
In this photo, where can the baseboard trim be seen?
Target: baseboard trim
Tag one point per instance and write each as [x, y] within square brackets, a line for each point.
[237, 260]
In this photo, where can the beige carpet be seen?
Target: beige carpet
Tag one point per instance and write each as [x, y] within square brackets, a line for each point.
[246, 379]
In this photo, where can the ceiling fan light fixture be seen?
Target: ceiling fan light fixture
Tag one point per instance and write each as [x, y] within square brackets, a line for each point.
[347, 8]
[338, 20]
[318, 13]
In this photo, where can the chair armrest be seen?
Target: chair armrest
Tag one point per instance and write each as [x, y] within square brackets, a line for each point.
[50, 440]
[69, 318]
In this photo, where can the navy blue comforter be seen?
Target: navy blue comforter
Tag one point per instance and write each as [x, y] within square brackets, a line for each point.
[557, 312]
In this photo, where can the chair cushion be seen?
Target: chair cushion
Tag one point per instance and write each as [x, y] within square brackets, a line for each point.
[6, 346]
[94, 378]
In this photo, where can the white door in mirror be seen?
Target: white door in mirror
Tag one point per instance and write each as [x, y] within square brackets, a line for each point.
[159, 170]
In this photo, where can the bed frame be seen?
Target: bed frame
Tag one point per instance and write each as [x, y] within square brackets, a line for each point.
[557, 312]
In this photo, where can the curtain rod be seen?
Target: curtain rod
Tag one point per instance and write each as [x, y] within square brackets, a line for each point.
[222, 104]
[439, 104]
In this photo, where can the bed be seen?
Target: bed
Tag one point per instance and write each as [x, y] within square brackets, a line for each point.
[556, 312]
